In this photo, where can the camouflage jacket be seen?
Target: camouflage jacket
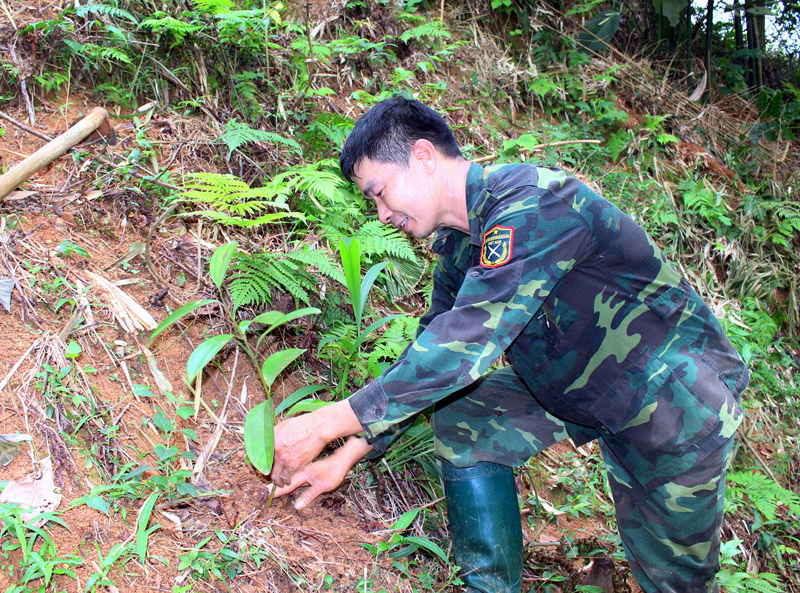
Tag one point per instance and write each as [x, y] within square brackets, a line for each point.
[581, 300]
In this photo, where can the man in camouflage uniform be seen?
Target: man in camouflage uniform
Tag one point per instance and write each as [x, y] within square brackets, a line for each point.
[606, 341]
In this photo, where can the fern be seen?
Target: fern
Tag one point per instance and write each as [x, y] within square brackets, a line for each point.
[98, 9]
[764, 494]
[253, 278]
[232, 201]
[383, 239]
[398, 335]
[212, 6]
[433, 29]
[617, 143]
[162, 22]
[320, 260]
[317, 179]
[237, 134]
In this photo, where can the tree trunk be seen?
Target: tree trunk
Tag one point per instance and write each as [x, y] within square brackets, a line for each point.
[709, 36]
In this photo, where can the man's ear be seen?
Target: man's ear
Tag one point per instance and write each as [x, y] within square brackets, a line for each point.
[426, 152]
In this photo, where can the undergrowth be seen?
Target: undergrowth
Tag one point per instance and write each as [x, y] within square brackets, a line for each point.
[277, 89]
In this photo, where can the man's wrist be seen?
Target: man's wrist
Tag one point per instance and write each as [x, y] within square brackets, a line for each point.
[338, 421]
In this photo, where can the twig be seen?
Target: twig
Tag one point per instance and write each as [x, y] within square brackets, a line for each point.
[22, 126]
[23, 84]
[19, 362]
[491, 157]
[8, 14]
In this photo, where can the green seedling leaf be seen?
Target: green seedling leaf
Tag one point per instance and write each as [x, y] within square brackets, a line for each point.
[301, 393]
[143, 391]
[142, 532]
[97, 503]
[277, 362]
[73, 349]
[220, 261]
[176, 315]
[203, 354]
[309, 405]
[259, 436]
[369, 280]
[351, 264]
[406, 519]
[428, 545]
[161, 421]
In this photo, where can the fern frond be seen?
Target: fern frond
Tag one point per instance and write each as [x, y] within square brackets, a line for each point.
[99, 9]
[232, 201]
[212, 6]
[237, 134]
[379, 239]
[433, 29]
[161, 21]
[321, 260]
[113, 53]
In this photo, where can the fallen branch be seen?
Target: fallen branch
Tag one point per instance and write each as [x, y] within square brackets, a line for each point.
[51, 151]
[98, 158]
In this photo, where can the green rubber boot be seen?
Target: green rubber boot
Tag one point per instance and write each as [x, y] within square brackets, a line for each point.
[485, 526]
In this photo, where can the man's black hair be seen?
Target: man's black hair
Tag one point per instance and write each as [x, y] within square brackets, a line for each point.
[386, 133]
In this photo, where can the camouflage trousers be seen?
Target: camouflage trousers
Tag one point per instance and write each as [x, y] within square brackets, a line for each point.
[669, 506]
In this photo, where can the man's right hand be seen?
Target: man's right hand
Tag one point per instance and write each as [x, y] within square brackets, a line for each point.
[299, 440]
[326, 474]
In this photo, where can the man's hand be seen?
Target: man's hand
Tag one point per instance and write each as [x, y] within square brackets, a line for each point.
[326, 474]
[299, 440]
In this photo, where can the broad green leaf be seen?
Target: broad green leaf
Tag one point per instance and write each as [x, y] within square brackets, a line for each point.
[291, 316]
[203, 354]
[309, 405]
[97, 503]
[369, 280]
[672, 9]
[351, 264]
[259, 436]
[176, 315]
[599, 31]
[220, 261]
[406, 519]
[277, 362]
[142, 533]
[73, 349]
[268, 317]
[297, 396]
[427, 545]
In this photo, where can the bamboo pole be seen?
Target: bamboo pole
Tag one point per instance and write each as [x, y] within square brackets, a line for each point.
[51, 151]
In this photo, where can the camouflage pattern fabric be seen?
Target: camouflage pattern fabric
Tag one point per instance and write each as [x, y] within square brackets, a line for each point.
[669, 524]
[603, 334]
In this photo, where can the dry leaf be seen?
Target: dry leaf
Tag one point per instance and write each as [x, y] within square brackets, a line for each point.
[128, 313]
[9, 446]
[37, 495]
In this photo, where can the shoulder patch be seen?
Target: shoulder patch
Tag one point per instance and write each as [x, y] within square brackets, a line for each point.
[497, 246]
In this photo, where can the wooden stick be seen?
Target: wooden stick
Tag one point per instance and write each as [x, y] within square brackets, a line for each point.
[51, 151]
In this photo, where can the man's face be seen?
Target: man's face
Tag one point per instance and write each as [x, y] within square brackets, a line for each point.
[404, 197]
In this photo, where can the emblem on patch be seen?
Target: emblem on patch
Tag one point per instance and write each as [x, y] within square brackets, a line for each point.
[497, 246]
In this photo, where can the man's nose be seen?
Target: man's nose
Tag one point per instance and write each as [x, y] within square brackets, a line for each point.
[384, 214]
